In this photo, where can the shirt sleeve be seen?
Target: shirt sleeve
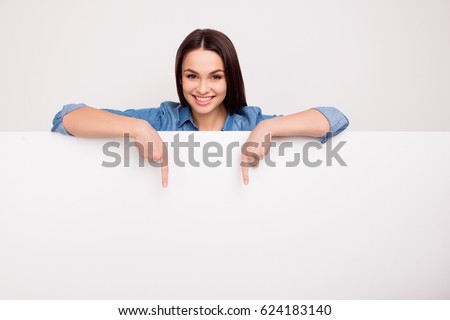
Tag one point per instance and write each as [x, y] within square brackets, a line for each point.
[151, 115]
[337, 120]
[261, 117]
[248, 117]
[57, 120]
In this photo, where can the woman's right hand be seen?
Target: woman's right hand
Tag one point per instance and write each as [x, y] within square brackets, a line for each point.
[95, 123]
[151, 147]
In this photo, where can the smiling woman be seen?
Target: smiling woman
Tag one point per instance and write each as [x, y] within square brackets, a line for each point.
[205, 90]
[211, 91]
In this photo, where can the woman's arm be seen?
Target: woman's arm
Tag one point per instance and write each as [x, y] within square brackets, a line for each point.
[95, 123]
[309, 123]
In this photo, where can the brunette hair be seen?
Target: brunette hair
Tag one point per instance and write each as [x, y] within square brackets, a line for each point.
[218, 42]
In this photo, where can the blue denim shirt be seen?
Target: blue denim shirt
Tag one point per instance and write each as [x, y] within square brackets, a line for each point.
[171, 116]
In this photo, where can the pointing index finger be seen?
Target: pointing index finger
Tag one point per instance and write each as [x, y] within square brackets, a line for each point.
[165, 175]
[244, 164]
[165, 167]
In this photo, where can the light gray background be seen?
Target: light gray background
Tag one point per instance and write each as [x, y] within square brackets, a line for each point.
[383, 63]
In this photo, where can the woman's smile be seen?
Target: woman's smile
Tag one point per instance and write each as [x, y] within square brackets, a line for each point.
[203, 101]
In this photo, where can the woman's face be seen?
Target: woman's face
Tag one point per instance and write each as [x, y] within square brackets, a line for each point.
[203, 81]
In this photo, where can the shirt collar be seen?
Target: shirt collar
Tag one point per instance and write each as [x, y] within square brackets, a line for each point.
[228, 122]
[185, 115]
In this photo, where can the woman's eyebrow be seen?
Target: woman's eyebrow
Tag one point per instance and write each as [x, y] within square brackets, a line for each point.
[190, 70]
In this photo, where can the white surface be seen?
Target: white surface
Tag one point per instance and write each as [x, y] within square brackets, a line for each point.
[376, 229]
[383, 63]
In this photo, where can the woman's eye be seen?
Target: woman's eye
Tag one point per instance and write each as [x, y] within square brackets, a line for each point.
[193, 76]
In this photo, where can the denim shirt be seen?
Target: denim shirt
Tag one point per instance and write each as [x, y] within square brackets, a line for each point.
[171, 116]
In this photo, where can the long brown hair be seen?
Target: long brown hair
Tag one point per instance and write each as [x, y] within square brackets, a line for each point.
[218, 42]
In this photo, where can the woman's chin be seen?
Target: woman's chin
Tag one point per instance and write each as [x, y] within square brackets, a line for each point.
[201, 109]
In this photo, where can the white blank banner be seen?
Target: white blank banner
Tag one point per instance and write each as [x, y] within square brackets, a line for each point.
[377, 228]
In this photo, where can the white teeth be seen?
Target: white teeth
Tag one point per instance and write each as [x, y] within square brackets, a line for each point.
[203, 99]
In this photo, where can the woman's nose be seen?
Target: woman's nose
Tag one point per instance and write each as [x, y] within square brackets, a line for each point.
[203, 87]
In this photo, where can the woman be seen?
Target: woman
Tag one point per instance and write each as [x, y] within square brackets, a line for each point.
[212, 97]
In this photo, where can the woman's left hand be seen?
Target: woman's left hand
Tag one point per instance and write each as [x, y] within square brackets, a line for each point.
[255, 148]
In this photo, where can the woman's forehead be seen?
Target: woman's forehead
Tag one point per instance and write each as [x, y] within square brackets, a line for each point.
[201, 60]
